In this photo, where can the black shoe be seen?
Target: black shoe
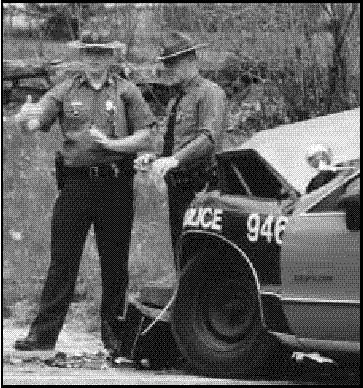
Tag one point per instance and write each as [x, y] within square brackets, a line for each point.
[33, 342]
[108, 337]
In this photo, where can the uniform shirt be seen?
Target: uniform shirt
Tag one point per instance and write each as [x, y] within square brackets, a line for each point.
[117, 109]
[200, 120]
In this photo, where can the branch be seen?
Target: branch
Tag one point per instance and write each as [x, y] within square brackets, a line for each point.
[68, 17]
[34, 13]
[350, 17]
[235, 46]
[349, 20]
[334, 9]
[326, 9]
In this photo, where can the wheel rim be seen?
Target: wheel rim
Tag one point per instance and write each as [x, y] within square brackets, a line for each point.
[225, 310]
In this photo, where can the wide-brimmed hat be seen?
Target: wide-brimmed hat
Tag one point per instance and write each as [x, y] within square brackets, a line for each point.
[96, 39]
[175, 44]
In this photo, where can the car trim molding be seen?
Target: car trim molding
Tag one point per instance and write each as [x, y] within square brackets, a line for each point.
[323, 214]
[312, 300]
[322, 345]
[321, 300]
[243, 254]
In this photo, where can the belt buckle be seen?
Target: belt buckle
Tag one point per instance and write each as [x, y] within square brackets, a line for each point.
[93, 171]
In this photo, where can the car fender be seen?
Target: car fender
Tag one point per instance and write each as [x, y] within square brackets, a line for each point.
[203, 238]
[273, 317]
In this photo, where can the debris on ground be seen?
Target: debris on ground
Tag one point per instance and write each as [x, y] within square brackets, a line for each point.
[85, 361]
[10, 359]
[301, 357]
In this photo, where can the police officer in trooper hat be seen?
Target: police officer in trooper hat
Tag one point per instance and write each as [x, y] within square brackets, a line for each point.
[196, 119]
[96, 185]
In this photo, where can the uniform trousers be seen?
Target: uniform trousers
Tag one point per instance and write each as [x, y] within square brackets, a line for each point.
[107, 203]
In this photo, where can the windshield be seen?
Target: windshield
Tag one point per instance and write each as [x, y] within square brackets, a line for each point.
[325, 177]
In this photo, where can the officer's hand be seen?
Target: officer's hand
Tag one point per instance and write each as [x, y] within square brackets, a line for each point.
[142, 163]
[28, 118]
[162, 165]
[99, 137]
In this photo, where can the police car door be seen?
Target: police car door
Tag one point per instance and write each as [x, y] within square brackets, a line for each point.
[320, 266]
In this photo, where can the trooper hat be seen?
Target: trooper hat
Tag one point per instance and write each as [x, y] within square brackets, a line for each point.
[98, 40]
[176, 44]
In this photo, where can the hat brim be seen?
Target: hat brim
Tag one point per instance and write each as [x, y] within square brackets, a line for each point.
[154, 81]
[111, 45]
[195, 47]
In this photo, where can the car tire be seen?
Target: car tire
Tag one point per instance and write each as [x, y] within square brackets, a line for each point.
[216, 320]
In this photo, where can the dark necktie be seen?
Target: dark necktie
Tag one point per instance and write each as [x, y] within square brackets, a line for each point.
[169, 134]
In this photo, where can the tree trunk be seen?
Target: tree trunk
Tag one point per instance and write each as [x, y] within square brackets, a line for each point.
[79, 20]
[130, 25]
[41, 43]
[339, 99]
[342, 16]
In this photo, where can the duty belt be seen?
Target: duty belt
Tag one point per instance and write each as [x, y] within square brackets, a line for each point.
[112, 170]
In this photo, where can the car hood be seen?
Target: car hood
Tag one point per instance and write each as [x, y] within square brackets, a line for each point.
[285, 147]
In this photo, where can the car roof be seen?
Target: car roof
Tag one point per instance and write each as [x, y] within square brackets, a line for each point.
[285, 147]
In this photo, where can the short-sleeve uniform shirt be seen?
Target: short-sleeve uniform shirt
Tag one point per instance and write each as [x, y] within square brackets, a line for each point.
[117, 109]
[200, 111]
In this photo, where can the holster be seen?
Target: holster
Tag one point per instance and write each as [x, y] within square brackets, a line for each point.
[59, 170]
[194, 177]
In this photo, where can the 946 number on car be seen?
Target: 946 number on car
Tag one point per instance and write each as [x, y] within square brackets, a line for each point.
[271, 228]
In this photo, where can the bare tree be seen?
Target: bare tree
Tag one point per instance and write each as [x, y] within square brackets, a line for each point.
[127, 12]
[338, 20]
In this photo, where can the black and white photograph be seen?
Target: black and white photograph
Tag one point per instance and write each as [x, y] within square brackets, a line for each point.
[180, 193]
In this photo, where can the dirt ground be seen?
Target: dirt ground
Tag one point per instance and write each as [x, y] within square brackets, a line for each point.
[87, 364]
[72, 339]
[79, 358]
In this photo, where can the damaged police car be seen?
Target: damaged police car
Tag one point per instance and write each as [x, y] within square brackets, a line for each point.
[271, 256]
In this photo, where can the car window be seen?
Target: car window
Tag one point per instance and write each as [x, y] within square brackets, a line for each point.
[246, 174]
[330, 203]
[231, 182]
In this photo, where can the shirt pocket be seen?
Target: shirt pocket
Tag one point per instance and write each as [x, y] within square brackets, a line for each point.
[186, 119]
[75, 115]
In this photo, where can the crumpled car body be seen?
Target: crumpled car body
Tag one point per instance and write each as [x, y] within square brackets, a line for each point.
[259, 255]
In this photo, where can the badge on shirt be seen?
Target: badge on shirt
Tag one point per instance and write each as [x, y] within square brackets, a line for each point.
[179, 115]
[110, 106]
[76, 106]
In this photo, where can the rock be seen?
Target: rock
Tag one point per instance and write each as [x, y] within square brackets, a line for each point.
[60, 356]
[10, 359]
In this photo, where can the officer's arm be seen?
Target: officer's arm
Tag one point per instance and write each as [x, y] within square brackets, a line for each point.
[139, 141]
[42, 114]
[140, 121]
[212, 119]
